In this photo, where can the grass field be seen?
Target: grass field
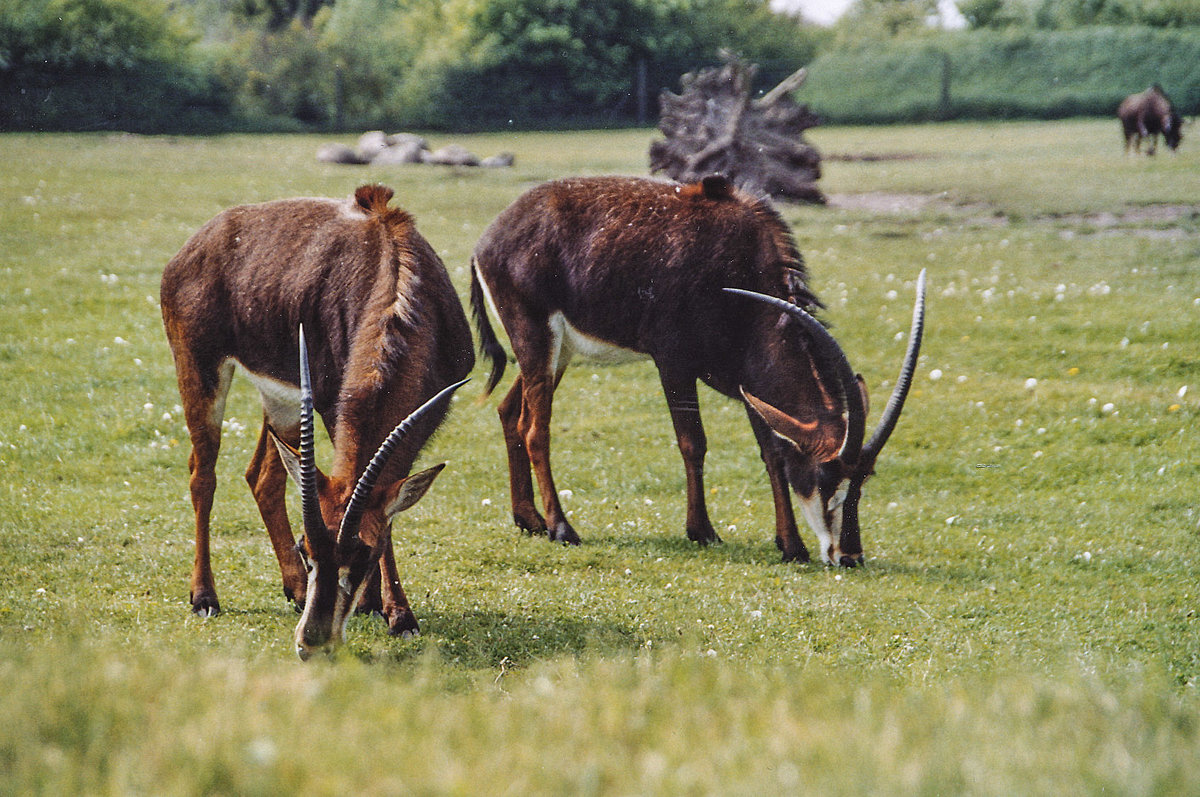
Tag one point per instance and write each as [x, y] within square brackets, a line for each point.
[1026, 623]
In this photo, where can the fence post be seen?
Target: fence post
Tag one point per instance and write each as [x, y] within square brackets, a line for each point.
[339, 97]
[944, 103]
[641, 90]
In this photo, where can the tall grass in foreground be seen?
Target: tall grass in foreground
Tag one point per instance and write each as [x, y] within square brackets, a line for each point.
[159, 722]
[1026, 623]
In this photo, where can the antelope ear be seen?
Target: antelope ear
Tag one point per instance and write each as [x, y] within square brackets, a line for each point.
[289, 455]
[862, 388]
[808, 436]
[409, 490]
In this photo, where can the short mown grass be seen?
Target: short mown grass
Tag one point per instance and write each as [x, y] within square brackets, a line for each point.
[1026, 622]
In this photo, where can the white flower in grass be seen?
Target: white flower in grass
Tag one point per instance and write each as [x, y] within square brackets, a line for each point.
[1031, 384]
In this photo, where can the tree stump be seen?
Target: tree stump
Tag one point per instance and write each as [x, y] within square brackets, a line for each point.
[714, 127]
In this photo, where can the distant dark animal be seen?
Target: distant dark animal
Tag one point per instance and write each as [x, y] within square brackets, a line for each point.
[597, 266]
[1147, 114]
[390, 333]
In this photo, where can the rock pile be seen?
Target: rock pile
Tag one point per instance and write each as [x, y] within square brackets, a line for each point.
[379, 148]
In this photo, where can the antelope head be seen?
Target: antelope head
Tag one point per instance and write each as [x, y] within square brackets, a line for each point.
[345, 530]
[827, 477]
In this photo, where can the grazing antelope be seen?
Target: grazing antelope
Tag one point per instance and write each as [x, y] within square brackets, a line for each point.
[597, 266]
[357, 277]
[1145, 115]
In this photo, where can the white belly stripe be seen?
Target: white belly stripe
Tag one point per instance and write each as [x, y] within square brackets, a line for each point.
[281, 401]
[573, 342]
[567, 341]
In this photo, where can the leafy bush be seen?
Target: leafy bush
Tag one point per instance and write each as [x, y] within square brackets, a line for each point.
[471, 64]
[1004, 74]
[100, 64]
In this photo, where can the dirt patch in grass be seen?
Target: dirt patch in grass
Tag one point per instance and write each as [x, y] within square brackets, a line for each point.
[1168, 221]
[900, 204]
[875, 157]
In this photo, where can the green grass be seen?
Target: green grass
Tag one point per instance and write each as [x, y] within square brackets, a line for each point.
[1026, 623]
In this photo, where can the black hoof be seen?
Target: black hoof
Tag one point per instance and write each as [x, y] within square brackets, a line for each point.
[794, 553]
[205, 606]
[404, 624]
[533, 527]
[290, 596]
[565, 535]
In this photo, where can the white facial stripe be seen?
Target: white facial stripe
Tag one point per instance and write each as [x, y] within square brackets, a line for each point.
[347, 600]
[828, 535]
[813, 510]
[308, 604]
[839, 496]
[343, 604]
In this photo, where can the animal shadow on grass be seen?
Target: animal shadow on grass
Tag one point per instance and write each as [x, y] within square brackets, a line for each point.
[737, 548]
[489, 639]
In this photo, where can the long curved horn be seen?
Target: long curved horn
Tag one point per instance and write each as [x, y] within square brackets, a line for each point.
[366, 482]
[314, 524]
[830, 357]
[891, 412]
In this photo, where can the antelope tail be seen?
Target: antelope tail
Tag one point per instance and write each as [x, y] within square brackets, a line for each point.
[489, 344]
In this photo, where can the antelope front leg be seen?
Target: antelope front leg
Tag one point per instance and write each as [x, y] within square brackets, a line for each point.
[396, 611]
[684, 405]
[787, 538]
[524, 511]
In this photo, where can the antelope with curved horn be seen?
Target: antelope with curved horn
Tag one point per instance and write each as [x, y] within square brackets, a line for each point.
[390, 334]
[336, 553]
[610, 266]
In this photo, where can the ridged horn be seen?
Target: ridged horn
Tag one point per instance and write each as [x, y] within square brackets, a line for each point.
[314, 524]
[891, 413]
[366, 482]
[830, 361]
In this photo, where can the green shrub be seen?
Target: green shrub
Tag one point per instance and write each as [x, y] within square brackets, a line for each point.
[995, 74]
[101, 64]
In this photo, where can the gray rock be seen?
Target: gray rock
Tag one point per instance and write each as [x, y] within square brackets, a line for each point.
[452, 155]
[403, 152]
[500, 161]
[371, 144]
[337, 153]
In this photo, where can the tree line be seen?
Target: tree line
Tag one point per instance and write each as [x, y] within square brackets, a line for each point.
[297, 64]
[210, 65]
